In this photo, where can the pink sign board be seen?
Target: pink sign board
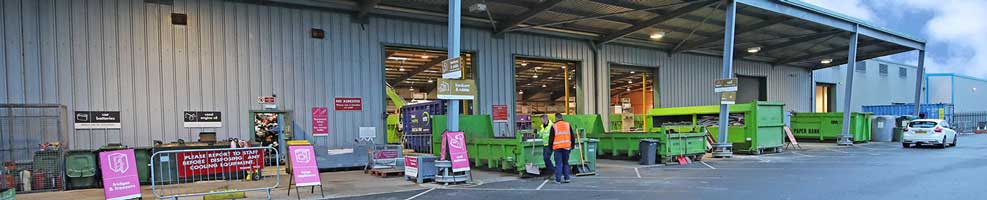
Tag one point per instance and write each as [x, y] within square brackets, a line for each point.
[303, 166]
[455, 142]
[320, 121]
[119, 171]
[411, 166]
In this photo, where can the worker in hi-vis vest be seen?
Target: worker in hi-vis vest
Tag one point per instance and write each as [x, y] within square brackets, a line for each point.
[547, 152]
[562, 143]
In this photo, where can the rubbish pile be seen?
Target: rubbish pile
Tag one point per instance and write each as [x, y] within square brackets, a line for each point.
[713, 120]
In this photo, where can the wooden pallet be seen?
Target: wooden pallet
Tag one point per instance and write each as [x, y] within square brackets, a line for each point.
[384, 173]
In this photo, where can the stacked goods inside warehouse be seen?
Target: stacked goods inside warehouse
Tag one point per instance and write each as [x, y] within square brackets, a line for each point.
[411, 76]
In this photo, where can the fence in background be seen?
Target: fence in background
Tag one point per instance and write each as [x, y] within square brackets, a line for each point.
[185, 173]
[32, 141]
[969, 122]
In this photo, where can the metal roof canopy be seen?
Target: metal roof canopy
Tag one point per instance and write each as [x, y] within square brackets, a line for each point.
[788, 32]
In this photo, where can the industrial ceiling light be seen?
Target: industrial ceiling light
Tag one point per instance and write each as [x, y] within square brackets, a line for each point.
[632, 72]
[658, 35]
[397, 58]
[826, 61]
[629, 82]
[429, 80]
[537, 68]
[524, 64]
[411, 89]
[753, 49]
[543, 85]
[535, 76]
[628, 89]
[401, 68]
[563, 66]
[424, 56]
[520, 92]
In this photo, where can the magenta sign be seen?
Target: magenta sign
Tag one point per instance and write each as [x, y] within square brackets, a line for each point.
[303, 166]
[320, 121]
[119, 171]
[456, 143]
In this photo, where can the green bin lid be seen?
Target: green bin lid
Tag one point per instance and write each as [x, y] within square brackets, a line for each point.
[80, 164]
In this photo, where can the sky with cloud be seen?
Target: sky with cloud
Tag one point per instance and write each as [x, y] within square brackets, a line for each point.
[955, 30]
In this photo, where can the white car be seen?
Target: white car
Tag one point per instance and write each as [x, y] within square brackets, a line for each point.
[930, 132]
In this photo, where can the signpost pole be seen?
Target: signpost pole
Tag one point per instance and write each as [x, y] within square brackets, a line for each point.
[452, 111]
[722, 147]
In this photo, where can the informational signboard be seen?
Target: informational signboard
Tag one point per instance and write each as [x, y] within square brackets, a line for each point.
[455, 142]
[268, 102]
[500, 113]
[411, 166]
[119, 172]
[348, 103]
[728, 98]
[212, 162]
[725, 85]
[97, 120]
[203, 119]
[320, 121]
[456, 89]
[304, 167]
[452, 68]
[942, 113]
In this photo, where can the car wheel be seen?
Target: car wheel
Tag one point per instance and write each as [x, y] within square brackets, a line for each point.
[954, 141]
[942, 145]
[905, 145]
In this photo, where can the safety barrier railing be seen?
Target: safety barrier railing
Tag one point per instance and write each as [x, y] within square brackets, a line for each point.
[199, 172]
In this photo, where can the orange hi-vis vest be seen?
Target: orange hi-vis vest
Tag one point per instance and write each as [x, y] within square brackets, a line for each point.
[563, 136]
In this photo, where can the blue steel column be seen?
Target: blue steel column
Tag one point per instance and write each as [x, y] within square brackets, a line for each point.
[919, 75]
[845, 138]
[722, 148]
[454, 18]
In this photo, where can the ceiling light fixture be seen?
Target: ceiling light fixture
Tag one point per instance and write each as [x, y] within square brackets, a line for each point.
[543, 85]
[537, 68]
[401, 69]
[563, 66]
[753, 49]
[411, 89]
[657, 35]
[632, 72]
[535, 76]
[524, 64]
[826, 61]
[629, 82]
[429, 80]
[628, 89]
[520, 92]
[425, 56]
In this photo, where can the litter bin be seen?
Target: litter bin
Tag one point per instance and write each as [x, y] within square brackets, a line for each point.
[649, 151]
[590, 153]
[80, 168]
[143, 158]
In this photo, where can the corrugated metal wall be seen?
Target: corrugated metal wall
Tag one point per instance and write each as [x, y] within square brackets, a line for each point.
[870, 87]
[939, 89]
[970, 94]
[125, 55]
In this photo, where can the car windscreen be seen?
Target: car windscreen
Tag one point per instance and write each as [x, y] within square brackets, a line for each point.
[922, 124]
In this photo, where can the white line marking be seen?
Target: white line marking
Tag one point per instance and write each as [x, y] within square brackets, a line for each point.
[638, 172]
[838, 151]
[704, 163]
[542, 184]
[419, 194]
[801, 154]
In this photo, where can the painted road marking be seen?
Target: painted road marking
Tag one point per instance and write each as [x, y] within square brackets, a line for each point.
[704, 163]
[838, 151]
[638, 172]
[542, 184]
[419, 194]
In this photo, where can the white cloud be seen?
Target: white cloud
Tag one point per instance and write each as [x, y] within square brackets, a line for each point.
[956, 33]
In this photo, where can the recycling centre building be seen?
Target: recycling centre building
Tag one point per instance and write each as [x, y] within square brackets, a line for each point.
[341, 72]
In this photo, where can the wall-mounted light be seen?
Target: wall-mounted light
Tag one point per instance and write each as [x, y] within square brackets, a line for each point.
[826, 61]
[318, 33]
[753, 49]
[179, 19]
[656, 36]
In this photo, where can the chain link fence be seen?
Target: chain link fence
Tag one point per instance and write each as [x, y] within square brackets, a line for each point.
[32, 141]
[970, 122]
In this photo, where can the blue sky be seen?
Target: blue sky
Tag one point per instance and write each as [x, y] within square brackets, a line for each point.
[955, 30]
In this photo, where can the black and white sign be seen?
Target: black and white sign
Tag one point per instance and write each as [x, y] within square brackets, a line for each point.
[97, 119]
[203, 119]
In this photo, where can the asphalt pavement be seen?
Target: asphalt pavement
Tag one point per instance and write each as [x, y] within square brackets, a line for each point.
[818, 171]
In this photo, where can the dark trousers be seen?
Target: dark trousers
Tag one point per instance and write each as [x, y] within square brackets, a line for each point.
[562, 163]
[547, 157]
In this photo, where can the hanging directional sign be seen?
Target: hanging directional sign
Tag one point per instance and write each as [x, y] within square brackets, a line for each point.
[725, 85]
[452, 68]
[456, 89]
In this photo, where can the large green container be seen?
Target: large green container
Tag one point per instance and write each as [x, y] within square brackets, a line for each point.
[80, 168]
[673, 145]
[510, 154]
[763, 127]
[829, 126]
[392, 129]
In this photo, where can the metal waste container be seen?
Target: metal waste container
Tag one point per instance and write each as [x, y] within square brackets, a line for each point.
[883, 128]
[649, 151]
